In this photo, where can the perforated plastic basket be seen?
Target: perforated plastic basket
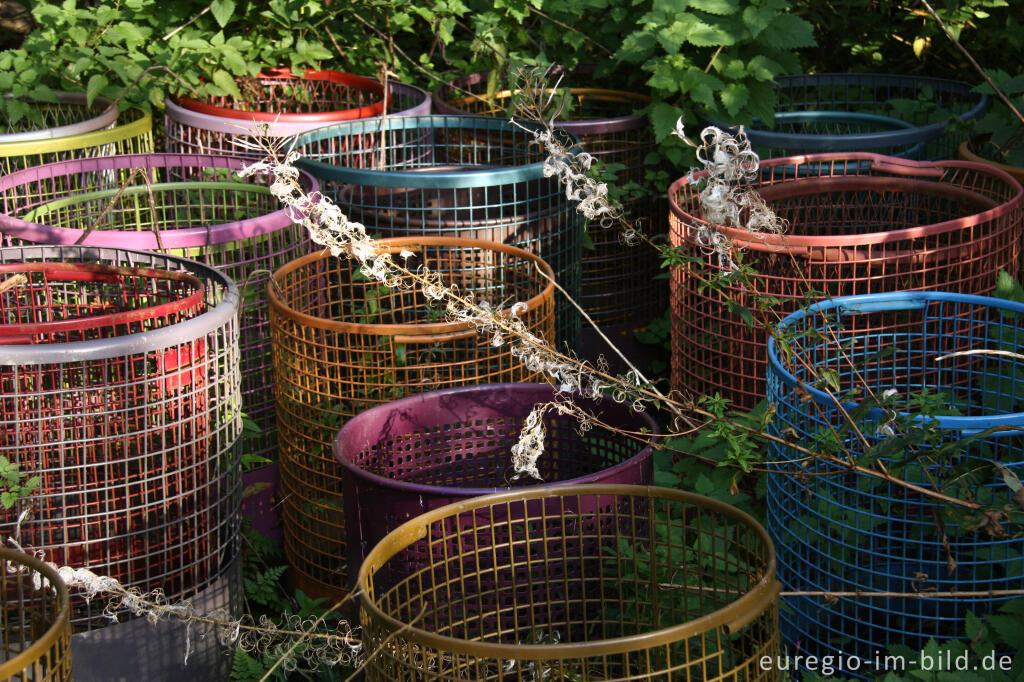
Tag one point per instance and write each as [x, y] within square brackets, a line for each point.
[905, 116]
[185, 205]
[69, 115]
[343, 344]
[838, 531]
[119, 388]
[579, 582]
[451, 176]
[859, 223]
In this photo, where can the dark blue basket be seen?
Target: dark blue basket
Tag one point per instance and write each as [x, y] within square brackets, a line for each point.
[452, 176]
[845, 112]
[839, 531]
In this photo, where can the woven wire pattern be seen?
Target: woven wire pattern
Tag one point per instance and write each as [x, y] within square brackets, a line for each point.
[905, 116]
[846, 213]
[617, 281]
[132, 434]
[133, 134]
[409, 456]
[32, 616]
[845, 532]
[190, 206]
[343, 344]
[452, 176]
[579, 573]
[68, 115]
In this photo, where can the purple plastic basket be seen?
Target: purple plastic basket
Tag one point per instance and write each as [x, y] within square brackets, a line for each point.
[192, 132]
[420, 453]
[203, 211]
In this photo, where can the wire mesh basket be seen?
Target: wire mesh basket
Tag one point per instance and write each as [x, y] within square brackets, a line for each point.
[974, 149]
[70, 114]
[343, 343]
[183, 205]
[617, 281]
[451, 176]
[419, 453]
[579, 582]
[904, 116]
[119, 389]
[132, 134]
[221, 130]
[34, 623]
[859, 224]
[840, 531]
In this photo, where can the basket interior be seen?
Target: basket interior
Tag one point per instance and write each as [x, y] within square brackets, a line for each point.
[297, 96]
[53, 115]
[27, 613]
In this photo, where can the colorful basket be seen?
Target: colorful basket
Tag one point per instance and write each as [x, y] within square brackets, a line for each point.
[69, 115]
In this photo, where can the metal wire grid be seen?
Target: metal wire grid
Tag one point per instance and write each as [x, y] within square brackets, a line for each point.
[844, 532]
[343, 344]
[452, 176]
[859, 223]
[196, 132]
[617, 281]
[419, 453]
[70, 114]
[185, 205]
[133, 134]
[34, 625]
[580, 582]
[905, 116]
[131, 434]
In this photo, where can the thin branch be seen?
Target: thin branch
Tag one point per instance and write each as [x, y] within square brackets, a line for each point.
[12, 282]
[186, 24]
[981, 351]
[570, 28]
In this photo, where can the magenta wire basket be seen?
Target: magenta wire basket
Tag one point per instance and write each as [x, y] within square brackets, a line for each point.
[187, 131]
[416, 454]
[181, 205]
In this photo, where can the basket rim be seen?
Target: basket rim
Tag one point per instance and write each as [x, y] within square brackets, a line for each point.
[785, 242]
[755, 598]
[62, 623]
[900, 300]
[579, 127]
[426, 329]
[107, 115]
[139, 127]
[214, 318]
[966, 151]
[284, 74]
[470, 177]
[171, 238]
[414, 401]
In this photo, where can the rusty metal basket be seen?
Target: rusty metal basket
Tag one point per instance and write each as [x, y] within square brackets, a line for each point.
[580, 582]
[343, 344]
[34, 621]
[119, 389]
[859, 223]
[617, 281]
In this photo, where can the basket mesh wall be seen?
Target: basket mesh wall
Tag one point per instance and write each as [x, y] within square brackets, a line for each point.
[859, 224]
[70, 114]
[119, 389]
[617, 281]
[33, 616]
[904, 116]
[133, 134]
[183, 205]
[849, 532]
[452, 176]
[587, 583]
[343, 344]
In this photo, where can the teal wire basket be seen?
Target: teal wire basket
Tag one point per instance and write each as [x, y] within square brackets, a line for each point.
[452, 176]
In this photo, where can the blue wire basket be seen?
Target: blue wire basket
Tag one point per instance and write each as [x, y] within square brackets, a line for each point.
[840, 531]
[905, 116]
[452, 176]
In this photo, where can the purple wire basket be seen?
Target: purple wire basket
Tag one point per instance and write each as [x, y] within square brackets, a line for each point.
[187, 131]
[182, 205]
[410, 456]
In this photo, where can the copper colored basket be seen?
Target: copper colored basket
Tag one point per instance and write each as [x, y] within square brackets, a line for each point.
[34, 621]
[343, 344]
[859, 224]
[579, 582]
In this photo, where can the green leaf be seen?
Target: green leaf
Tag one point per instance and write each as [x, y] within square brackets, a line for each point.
[830, 377]
[788, 31]
[721, 7]
[757, 19]
[95, 87]
[663, 118]
[1008, 288]
[706, 35]
[223, 80]
[222, 11]
[734, 97]
[763, 69]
